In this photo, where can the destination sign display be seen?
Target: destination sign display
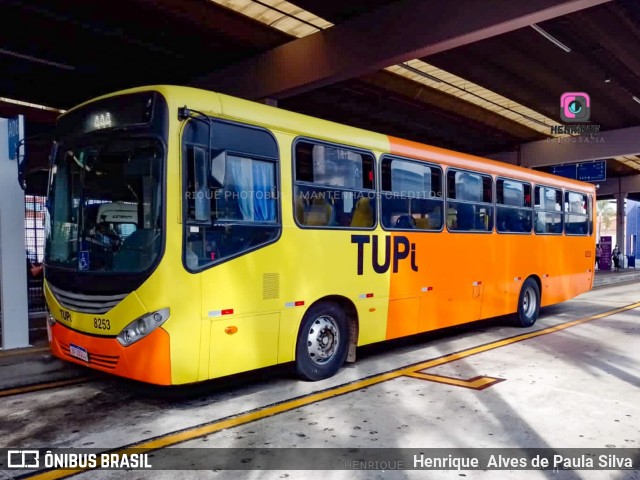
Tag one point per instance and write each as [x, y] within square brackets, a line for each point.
[585, 172]
[115, 112]
[592, 171]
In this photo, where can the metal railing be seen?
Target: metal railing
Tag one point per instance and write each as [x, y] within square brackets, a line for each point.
[34, 210]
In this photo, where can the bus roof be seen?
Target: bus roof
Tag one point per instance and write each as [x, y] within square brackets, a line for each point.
[246, 111]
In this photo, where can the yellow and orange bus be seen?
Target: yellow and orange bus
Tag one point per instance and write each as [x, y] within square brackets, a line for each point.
[239, 236]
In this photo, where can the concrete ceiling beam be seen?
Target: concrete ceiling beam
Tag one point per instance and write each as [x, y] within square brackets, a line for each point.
[392, 34]
[556, 151]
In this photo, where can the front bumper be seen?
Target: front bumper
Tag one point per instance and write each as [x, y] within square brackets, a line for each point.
[148, 360]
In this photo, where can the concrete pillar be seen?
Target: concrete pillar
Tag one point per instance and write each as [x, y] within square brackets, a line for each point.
[13, 267]
[620, 220]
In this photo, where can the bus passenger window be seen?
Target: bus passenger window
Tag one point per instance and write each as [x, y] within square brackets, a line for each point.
[470, 196]
[548, 210]
[514, 206]
[411, 195]
[239, 197]
[333, 187]
[244, 210]
[576, 216]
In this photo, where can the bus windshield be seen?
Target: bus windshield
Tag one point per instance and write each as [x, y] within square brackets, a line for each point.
[105, 206]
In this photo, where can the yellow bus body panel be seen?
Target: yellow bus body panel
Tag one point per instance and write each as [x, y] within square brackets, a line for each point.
[245, 313]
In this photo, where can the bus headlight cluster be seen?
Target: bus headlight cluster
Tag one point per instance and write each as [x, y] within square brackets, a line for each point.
[141, 327]
[51, 319]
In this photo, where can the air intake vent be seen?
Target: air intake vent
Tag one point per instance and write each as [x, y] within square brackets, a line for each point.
[108, 362]
[270, 286]
[86, 303]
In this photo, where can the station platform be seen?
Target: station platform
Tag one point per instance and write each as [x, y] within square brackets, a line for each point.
[21, 368]
[610, 277]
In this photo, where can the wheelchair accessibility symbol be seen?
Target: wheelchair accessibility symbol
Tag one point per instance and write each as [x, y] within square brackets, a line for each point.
[83, 260]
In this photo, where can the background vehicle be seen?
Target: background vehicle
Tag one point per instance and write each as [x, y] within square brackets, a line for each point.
[263, 237]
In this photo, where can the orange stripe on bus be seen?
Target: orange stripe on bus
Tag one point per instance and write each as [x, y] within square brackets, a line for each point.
[148, 360]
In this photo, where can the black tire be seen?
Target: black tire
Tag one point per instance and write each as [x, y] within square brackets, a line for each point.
[528, 304]
[322, 342]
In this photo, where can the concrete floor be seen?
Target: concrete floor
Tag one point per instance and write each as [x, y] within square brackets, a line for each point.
[576, 387]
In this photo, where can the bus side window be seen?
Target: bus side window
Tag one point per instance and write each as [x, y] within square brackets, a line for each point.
[234, 209]
[332, 186]
[411, 195]
[576, 213]
[513, 199]
[548, 210]
[470, 195]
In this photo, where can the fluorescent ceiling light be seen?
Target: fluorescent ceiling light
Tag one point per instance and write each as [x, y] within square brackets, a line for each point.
[635, 99]
[292, 19]
[279, 14]
[421, 73]
[552, 39]
[31, 58]
[531, 119]
[31, 105]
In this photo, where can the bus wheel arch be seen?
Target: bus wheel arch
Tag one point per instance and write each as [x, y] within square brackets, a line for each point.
[529, 301]
[327, 337]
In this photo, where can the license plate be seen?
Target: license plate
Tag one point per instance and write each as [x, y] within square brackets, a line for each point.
[79, 352]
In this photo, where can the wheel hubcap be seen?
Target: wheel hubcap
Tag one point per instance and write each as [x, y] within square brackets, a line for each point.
[323, 339]
[529, 302]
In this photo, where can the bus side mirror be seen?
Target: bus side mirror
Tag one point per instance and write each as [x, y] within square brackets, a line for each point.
[218, 168]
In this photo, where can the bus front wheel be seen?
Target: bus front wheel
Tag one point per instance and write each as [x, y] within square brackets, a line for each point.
[322, 342]
[528, 304]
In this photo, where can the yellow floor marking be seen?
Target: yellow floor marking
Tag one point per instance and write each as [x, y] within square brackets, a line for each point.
[288, 405]
[476, 383]
[41, 386]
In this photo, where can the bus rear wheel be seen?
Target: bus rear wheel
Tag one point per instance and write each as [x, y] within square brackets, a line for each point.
[322, 342]
[528, 304]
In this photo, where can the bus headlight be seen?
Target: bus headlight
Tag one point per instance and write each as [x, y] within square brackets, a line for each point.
[141, 327]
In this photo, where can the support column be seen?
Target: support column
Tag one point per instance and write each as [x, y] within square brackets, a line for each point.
[620, 221]
[13, 268]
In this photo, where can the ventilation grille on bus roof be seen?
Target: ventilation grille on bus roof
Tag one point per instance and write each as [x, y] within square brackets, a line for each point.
[86, 303]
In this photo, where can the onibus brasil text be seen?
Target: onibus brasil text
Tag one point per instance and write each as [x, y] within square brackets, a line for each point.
[93, 460]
